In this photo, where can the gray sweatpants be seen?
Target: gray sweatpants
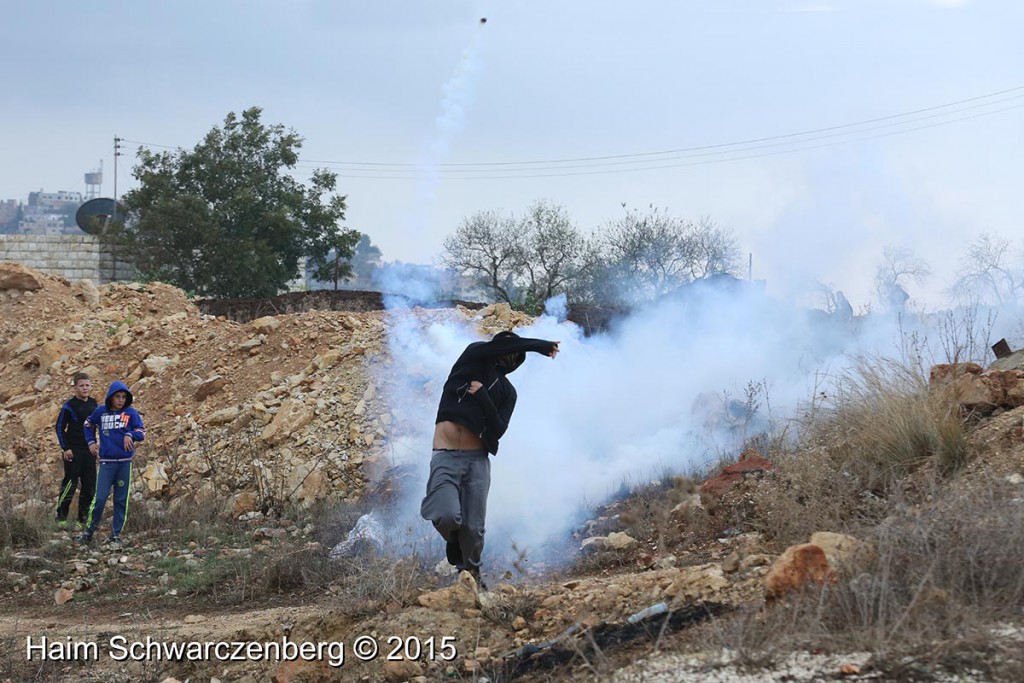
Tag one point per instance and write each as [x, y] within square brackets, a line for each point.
[456, 500]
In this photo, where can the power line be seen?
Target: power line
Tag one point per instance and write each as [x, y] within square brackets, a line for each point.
[688, 156]
[524, 173]
[708, 151]
[998, 93]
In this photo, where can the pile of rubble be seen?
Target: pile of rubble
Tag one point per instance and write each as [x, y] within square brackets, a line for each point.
[283, 407]
[982, 390]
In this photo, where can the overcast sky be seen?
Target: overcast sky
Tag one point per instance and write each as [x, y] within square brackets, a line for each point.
[426, 84]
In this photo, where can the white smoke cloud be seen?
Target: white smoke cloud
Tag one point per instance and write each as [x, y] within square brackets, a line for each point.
[626, 406]
[620, 408]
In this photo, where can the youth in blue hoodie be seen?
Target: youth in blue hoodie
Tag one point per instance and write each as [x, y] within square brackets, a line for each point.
[120, 428]
[114, 425]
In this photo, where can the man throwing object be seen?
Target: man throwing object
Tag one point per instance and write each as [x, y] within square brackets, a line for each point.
[474, 411]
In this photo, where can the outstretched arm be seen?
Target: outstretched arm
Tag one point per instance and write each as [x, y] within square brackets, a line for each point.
[505, 345]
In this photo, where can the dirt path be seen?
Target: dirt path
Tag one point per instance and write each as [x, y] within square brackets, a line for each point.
[103, 644]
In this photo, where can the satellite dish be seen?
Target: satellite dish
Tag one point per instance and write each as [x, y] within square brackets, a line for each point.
[96, 215]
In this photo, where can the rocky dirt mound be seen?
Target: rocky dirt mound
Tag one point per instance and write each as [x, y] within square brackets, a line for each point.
[283, 407]
[246, 417]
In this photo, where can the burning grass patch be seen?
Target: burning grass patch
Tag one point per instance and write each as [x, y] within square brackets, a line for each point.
[595, 648]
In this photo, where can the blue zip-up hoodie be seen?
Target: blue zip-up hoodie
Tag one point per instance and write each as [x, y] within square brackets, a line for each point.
[113, 426]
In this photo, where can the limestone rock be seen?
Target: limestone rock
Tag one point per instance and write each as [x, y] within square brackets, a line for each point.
[308, 483]
[19, 402]
[620, 540]
[223, 416]
[327, 359]
[210, 386]
[18, 277]
[89, 293]
[841, 550]
[795, 568]
[401, 670]
[38, 420]
[697, 582]
[50, 354]
[966, 384]
[244, 502]
[1015, 361]
[292, 416]
[155, 477]
[265, 325]
[251, 344]
[63, 595]
[155, 365]
[463, 595]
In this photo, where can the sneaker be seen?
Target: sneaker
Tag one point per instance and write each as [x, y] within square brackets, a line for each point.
[62, 524]
[114, 543]
[80, 525]
[85, 538]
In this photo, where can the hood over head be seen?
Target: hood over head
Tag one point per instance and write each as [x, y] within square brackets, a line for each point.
[116, 387]
[510, 361]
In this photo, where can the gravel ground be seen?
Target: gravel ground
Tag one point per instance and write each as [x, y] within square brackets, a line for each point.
[798, 667]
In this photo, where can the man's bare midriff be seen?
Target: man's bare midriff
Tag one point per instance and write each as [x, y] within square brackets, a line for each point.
[453, 436]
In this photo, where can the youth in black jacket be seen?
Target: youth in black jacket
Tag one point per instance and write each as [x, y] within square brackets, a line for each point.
[486, 411]
[476, 405]
[79, 463]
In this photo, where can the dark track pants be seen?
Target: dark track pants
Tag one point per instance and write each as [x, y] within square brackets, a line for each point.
[456, 501]
[116, 475]
[81, 468]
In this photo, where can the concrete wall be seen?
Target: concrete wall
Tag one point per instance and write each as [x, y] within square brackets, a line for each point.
[75, 257]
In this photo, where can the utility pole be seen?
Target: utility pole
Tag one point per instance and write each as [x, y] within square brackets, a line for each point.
[117, 153]
[113, 218]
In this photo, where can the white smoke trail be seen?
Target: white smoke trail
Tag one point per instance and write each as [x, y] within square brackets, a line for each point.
[457, 96]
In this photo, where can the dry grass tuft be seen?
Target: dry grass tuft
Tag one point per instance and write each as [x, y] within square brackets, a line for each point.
[945, 578]
[855, 448]
[881, 422]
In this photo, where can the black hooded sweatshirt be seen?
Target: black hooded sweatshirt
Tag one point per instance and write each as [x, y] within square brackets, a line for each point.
[487, 412]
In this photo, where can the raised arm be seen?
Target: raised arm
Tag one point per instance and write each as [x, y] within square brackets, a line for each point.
[501, 346]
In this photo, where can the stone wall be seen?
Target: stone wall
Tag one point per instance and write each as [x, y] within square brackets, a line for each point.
[244, 310]
[592, 318]
[75, 257]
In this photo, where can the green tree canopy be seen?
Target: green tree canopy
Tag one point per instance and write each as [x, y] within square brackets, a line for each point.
[225, 218]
